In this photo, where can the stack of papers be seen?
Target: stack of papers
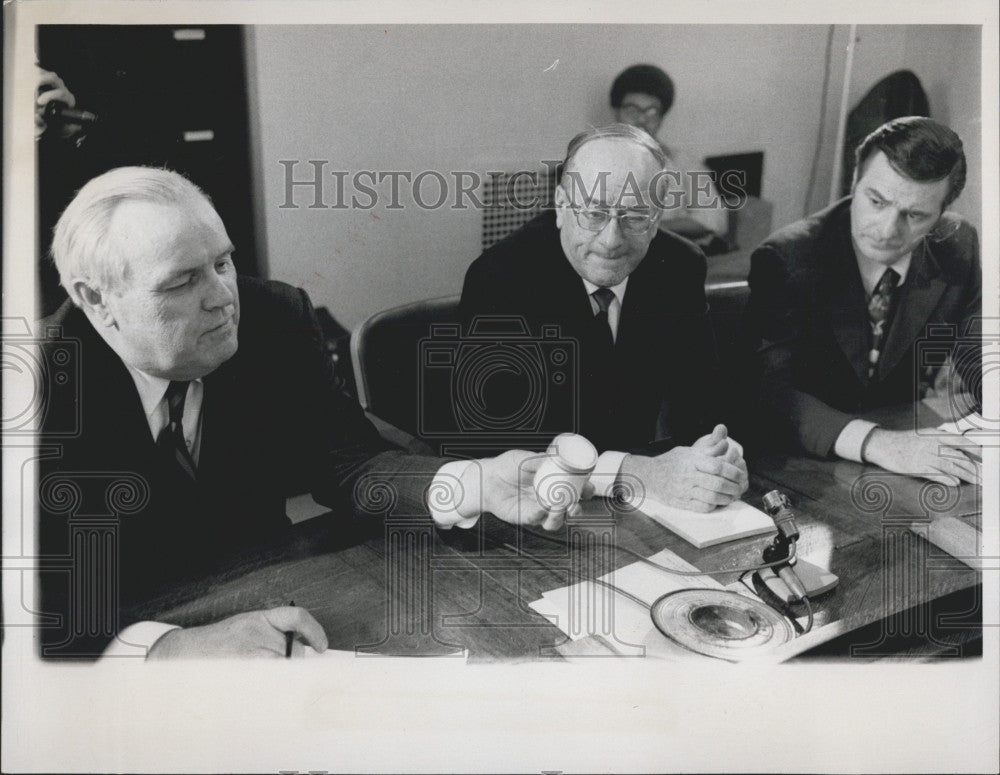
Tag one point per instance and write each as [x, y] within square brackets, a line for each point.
[732, 522]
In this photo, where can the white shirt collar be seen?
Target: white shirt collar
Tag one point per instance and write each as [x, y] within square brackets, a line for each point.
[151, 389]
[151, 393]
[617, 290]
[872, 271]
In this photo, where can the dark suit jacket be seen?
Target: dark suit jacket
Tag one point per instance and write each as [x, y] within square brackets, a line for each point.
[273, 425]
[808, 312]
[658, 386]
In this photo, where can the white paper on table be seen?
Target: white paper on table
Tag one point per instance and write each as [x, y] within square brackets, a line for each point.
[596, 611]
[342, 655]
[971, 426]
[729, 523]
[971, 423]
[310, 653]
[586, 608]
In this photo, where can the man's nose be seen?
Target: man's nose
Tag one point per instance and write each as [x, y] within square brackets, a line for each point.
[890, 225]
[611, 234]
[220, 292]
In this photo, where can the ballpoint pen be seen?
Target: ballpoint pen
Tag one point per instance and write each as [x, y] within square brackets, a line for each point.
[289, 637]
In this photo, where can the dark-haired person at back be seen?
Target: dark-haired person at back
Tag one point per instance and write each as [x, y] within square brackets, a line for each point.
[841, 301]
[641, 96]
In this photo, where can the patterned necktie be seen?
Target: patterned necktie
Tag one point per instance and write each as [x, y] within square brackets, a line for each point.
[879, 312]
[171, 438]
[604, 297]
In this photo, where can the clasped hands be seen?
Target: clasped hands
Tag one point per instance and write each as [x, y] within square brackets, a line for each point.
[708, 474]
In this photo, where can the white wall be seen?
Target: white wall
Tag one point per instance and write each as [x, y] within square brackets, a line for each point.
[947, 62]
[480, 98]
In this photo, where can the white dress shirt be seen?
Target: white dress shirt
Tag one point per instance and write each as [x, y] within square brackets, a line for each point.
[850, 443]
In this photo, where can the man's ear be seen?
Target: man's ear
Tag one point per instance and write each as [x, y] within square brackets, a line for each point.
[657, 217]
[561, 200]
[93, 301]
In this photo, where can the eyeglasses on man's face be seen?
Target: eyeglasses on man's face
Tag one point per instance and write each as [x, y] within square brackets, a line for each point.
[632, 222]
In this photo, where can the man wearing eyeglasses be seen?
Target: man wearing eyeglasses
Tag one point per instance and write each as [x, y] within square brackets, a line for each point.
[631, 299]
[641, 96]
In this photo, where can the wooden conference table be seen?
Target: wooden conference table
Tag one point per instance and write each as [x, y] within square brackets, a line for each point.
[399, 586]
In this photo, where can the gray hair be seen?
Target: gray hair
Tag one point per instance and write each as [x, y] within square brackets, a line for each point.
[82, 246]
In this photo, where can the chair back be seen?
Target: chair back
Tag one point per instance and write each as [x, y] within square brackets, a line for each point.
[386, 353]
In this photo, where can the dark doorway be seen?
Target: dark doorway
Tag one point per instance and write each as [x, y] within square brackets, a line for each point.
[163, 96]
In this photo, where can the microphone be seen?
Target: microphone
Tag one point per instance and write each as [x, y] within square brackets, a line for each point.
[790, 584]
[777, 507]
[57, 112]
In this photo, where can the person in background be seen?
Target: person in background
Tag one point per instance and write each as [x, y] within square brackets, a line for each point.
[63, 165]
[52, 91]
[641, 96]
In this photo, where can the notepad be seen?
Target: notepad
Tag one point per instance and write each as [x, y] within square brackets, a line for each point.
[729, 523]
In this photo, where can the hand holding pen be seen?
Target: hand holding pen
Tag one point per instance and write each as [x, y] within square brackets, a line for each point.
[272, 632]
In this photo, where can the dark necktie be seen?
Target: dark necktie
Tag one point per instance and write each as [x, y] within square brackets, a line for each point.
[879, 315]
[599, 397]
[171, 438]
[604, 297]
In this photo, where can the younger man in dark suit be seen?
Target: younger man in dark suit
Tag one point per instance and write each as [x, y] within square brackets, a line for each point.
[204, 400]
[840, 301]
[633, 300]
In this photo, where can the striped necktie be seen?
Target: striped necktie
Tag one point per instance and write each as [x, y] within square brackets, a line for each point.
[879, 315]
[171, 438]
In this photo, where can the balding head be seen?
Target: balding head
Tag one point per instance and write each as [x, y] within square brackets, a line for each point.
[607, 202]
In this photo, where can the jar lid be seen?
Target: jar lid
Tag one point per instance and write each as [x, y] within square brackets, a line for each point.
[575, 453]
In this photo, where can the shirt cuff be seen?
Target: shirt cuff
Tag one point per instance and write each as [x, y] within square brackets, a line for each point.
[137, 639]
[851, 440]
[455, 495]
[605, 473]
